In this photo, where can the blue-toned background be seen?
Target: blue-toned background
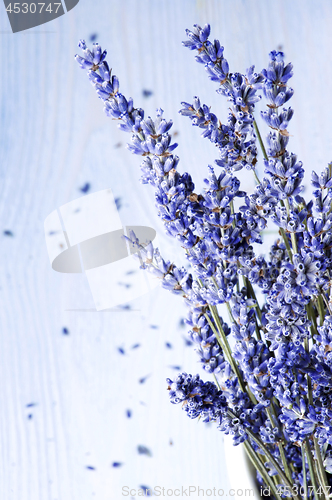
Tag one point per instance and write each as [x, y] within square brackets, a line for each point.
[64, 397]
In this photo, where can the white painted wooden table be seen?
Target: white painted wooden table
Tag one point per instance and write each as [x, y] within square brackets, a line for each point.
[54, 139]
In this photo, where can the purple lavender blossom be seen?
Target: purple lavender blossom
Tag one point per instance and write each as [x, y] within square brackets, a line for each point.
[273, 388]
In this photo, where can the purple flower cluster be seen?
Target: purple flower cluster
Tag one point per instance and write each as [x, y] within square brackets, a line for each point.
[235, 140]
[198, 398]
[272, 364]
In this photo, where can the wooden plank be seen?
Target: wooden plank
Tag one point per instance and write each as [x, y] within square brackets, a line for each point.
[55, 138]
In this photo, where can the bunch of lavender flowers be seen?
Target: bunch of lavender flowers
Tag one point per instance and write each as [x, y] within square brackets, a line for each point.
[273, 390]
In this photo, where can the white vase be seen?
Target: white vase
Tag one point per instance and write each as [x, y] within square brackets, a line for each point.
[240, 471]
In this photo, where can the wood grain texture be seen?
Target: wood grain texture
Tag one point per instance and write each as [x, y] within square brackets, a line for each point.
[54, 139]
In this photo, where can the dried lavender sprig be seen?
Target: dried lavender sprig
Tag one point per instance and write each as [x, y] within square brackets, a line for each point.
[303, 278]
[151, 140]
[174, 195]
[180, 281]
[204, 399]
[276, 77]
[197, 40]
[261, 469]
[236, 140]
[171, 204]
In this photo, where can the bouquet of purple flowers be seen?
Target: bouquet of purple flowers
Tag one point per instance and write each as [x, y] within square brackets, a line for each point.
[272, 363]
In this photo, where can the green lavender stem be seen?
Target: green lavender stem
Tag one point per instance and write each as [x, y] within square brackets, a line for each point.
[223, 342]
[280, 446]
[268, 455]
[288, 248]
[304, 473]
[261, 469]
[259, 137]
[311, 467]
[293, 235]
[320, 466]
[320, 306]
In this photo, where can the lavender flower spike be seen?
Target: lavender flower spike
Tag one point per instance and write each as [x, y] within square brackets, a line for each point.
[271, 360]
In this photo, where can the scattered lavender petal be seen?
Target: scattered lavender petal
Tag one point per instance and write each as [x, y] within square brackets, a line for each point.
[147, 490]
[85, 188]
[143, 379]
[118, 202]
[144, 450]
[147, 93]
[126, 285]
[187, 342]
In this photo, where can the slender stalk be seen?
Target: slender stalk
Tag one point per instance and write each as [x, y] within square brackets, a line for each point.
[253, 295]
[223, 342]
[280, 446]
[288, 248]
[320, 307]
[312, 317]
[310, 398]
[232, 212]
[320, 466]
[284, 461]
[262, 471]
[216, 381]
[304, 473]
[228, 351]
[256, 177]
[325, 446]
[275, 464]
[259, 137]
[293, 236]
[268, 455]
[294, 242]
[311, 467]
[326, 302]
[230, 312]
[258, 333]
[218, 337]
